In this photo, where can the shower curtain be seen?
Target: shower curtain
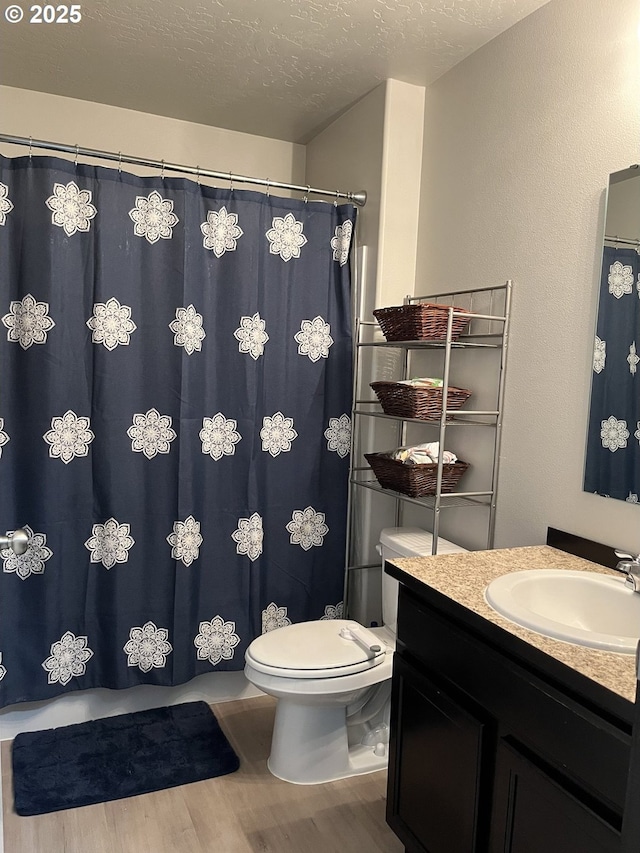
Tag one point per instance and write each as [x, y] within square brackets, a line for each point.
[175, 383]
[613, 443]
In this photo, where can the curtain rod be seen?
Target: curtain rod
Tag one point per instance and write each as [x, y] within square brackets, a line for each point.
[627, 240]
[359, 198]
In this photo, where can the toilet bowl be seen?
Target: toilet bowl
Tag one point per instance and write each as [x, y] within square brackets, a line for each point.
[332, 680]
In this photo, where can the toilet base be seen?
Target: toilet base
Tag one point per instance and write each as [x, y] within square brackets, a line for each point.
[310, 746]
[361, 760]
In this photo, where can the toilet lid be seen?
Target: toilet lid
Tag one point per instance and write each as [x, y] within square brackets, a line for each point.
[316, 649]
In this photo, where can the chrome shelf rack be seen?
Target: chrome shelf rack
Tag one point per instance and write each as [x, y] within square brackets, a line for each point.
[489, 313]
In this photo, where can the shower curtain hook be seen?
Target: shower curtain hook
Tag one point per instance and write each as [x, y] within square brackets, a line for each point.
[75, 162]
[30, 146]
[162, 172]
[335, 203]
[198, 175]
[119, 162]
[267, 187]
[306, 199]
[230, 181]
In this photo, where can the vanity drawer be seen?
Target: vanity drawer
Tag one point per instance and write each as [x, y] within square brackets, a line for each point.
[580, 744]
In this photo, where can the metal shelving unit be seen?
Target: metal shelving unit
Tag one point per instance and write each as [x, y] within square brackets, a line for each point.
[489, 311]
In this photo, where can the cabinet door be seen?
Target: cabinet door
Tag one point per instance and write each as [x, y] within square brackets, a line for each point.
[436, 765]
[534, 814]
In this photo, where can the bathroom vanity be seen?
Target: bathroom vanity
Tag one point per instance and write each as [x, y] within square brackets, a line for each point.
[503, 740]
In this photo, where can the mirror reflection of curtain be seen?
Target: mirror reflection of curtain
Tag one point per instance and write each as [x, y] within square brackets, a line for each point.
[613, 442]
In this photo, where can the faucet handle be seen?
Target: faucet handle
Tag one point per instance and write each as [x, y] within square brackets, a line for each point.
[623, 555]
[629, 566]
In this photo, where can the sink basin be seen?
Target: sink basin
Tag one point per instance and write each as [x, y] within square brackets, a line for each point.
[586, 608]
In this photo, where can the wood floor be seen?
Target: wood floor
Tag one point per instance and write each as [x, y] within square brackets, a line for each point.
[244, 812]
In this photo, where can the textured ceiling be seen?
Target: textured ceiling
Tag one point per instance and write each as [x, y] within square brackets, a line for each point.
[279, 68]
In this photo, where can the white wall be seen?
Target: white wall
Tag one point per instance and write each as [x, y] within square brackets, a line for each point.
[400, 201]
[520, 139]
[106, 128]
[349, 152]
[376, 145]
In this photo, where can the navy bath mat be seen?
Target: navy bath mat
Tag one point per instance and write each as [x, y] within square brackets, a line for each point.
[118, 757]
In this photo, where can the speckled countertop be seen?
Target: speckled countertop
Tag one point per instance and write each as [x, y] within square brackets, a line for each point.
[463, 578]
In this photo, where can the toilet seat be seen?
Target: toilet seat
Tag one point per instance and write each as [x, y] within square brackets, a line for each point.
[315, 650]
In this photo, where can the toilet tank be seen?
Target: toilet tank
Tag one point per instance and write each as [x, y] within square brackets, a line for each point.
[405, 542]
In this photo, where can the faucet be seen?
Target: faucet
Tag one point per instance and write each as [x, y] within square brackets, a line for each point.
[629, 566]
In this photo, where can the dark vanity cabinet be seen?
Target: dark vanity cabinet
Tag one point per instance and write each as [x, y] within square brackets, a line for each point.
[438, 762]
[533, 811]
[495, 747]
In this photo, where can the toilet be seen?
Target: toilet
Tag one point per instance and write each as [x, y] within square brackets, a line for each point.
[332, 680]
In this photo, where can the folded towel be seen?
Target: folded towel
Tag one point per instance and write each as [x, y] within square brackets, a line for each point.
[422, 382]
[423, 454]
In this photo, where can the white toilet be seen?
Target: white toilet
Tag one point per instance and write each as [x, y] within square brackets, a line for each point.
[332, 679]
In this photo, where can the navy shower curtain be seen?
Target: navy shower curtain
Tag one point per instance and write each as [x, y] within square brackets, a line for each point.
[175, 383]
[613, 444]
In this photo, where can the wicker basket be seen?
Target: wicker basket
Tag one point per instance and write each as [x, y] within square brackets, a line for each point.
[416, 481]
[411, 401]
[422, 321]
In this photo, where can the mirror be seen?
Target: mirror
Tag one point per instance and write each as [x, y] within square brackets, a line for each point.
[612, 466]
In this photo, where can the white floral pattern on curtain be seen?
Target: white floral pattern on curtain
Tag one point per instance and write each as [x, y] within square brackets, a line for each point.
[175, 372]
